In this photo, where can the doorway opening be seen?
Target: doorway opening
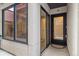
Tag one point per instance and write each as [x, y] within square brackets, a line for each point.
[58, 29]
[53, 30]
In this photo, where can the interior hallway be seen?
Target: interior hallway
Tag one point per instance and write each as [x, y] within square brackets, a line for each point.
[51, 51]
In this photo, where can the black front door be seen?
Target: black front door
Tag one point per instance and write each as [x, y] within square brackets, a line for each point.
[58, 29]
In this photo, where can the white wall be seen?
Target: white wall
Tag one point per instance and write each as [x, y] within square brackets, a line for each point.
[34, 29]
[58, 10]
[10, 46]
[72, 28]
[78, 32]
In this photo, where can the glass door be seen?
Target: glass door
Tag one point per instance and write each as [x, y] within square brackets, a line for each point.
[58, 29]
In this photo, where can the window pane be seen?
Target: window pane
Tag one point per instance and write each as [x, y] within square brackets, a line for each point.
[58, 27]
[9, 23]
[21, 22]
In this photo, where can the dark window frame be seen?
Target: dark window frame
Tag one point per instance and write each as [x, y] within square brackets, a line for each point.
[14, 37]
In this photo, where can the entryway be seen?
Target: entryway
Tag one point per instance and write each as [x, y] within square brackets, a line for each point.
[53, 32]
[58, 29]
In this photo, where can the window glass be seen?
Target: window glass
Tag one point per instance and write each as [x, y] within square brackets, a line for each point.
[21, 22]
[9, 23]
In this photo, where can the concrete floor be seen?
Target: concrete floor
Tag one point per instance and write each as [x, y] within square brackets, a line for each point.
[3, 53]
[51, 51]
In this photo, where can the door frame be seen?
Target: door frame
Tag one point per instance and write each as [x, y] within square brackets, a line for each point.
[60, 42]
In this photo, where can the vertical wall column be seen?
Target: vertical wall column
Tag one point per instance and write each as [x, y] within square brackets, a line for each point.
[34, 29]
[72, 28]
[78, 33]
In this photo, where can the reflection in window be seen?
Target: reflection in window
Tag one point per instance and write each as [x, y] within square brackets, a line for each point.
[9, 23]
[21, 22]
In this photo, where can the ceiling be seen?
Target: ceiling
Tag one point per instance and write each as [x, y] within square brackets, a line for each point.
[56, 5]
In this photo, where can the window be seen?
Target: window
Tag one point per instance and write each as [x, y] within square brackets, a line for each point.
[15, 22]
[9, 23]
